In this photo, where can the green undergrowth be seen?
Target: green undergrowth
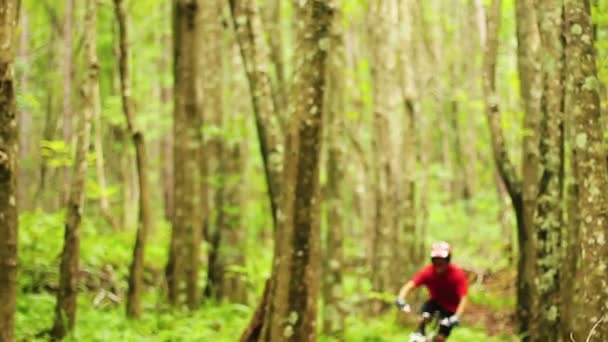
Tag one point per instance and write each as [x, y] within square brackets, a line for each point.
[212, 322]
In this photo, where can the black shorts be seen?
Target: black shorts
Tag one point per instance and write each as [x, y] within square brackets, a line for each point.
[434, 310]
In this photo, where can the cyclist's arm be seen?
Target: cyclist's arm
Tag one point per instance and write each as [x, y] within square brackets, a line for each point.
[406, 289]
[461, 306]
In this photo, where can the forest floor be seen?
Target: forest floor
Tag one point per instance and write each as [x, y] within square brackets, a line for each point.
[494, 311]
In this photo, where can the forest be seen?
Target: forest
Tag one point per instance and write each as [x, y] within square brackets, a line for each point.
[267, 170]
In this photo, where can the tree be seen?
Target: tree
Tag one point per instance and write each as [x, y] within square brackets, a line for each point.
[65, 308]
[256, 59]
[9, 128]
[137, 263]
[587, 141]
[67, 87]
[214, 159]
[530, 74]
[504, 165]
[335, 108]
[384, 90]
[291, 315]
[548, 217]
[183, 266]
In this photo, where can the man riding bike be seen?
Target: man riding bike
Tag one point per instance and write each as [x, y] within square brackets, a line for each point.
[447, 287]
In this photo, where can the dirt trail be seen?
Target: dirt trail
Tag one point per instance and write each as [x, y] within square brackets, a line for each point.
[494, 320]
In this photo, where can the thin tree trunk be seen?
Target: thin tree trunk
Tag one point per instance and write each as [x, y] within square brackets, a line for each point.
[505, 167]
[249, 35]
[528, 56]
[166, 142]
[9, 166]
[25, 117]
[234, 286]
[144, 222]
[248, 27]
[503, 217]
[333, 292]
[572, 242]
[213, 164]
[384, 85]
[104, 204]
[100, 163]
[67, 90]
[590, 165]
[293, 297]
[48, 131]
[231, 254]
[275, 41]
[548, 217]
[65, 309]
[407, 212]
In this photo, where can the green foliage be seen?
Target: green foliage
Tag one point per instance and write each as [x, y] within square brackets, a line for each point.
[212, 322]
[472, 229]
[103, 253]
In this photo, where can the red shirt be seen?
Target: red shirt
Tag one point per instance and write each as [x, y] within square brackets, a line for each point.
[445, 289]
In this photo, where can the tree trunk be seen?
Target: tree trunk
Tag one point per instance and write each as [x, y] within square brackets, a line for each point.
[213, 162]
[25, 117]
[505, 167]
[274, 33]
[50, 125]
[384, 85]
[183, 266]
[248, 27]
[230, 254]
[249, 35]
[407, 211]
[504, 218]
[67, 91]
[293, 296]
[104, 204]
[144, 223]
[333, 296]
[234, 286]
[166, 142]
[528, 56]
[590, 166]
[65, 309]
[9, 154]
[572, 241]
[548, 218]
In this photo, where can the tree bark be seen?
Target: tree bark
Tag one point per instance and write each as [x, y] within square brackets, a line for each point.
[144, 223]
[213, 161]
[65, 309]
[248, 27]
[334, 312]
[249, 35]
[528, 57]
[293, 297]
[231, 256]
[9, 155]
[187, 225]
[384, 85]
[166, 143]
[548, 217]
[591, 168]
[275, 41]
[67, 90]
[25, 117]
[50, 124]
[503, 162]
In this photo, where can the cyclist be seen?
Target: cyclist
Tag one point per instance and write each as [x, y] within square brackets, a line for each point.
[447, 287]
